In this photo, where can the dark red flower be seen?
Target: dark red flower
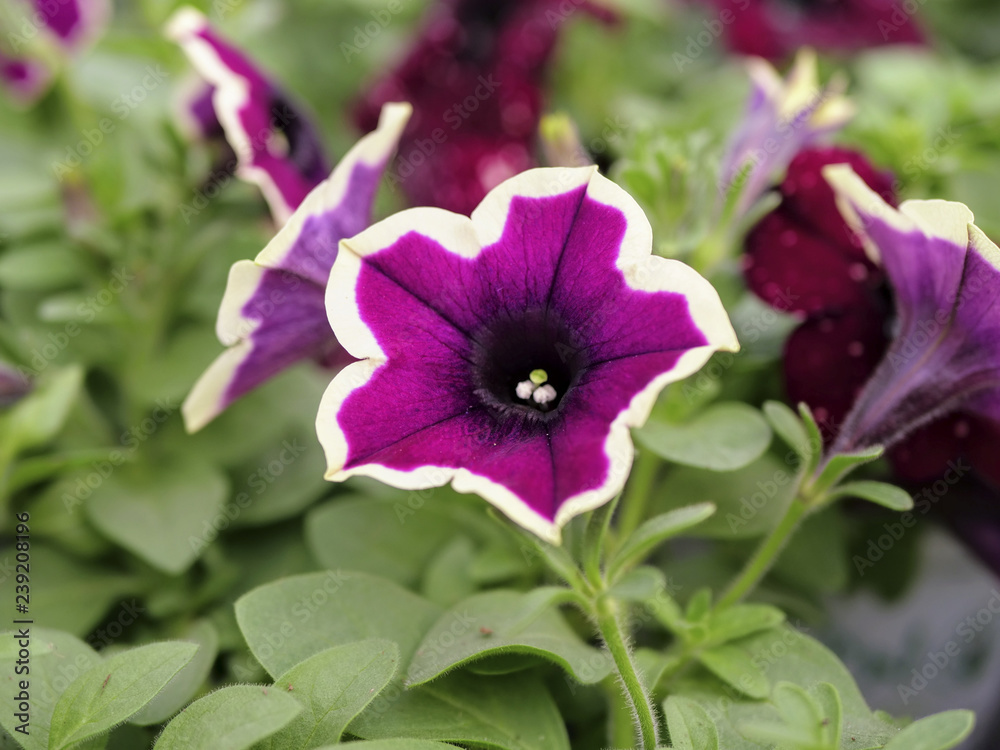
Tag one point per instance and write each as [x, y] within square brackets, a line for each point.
[474, 77]
[803, 258]
[773, 29]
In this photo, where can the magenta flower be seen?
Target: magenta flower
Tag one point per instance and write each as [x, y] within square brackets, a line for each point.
[71, 25]
[945, 355]
[510, 353]
[474, 78]
[276, 146]
[774, 29]
[272, 314]
[74, 23]
[802, 258]
[783, 116]
[23, 78]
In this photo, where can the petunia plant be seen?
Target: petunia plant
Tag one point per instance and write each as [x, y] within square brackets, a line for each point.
[477, 375]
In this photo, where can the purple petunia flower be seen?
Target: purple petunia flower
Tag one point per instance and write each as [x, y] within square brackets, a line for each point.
[783, 117]
[25, 79]
[474, 77]
[510, 353]
[272, 314]
[774, 29]
[74, 23]
[945, 275]
[276, 146]
[71, 24]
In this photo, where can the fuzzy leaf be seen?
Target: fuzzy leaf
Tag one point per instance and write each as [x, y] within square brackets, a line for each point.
[938, 732]
[880, 493]
[113, 691]
[333, 686]
[654, 532]
[690, 726]
[233, 718]
[499, 623]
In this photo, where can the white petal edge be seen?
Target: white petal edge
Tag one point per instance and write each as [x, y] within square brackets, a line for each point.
[205, 401]
[464, 237]
[373, 150]
[232, 93]
[859, 204]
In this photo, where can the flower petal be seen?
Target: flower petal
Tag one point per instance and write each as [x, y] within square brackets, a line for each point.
[421, 293]
[273, 313]
[945, 273]
[277, 147]
[74, 23]
[25, 79]
[783, 116]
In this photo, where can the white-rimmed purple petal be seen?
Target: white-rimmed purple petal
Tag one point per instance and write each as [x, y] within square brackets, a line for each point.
[25, 79]
[74, 23]
[277, 147]
[783, 116]
[551, 279]
[273, 313]
[945, 274]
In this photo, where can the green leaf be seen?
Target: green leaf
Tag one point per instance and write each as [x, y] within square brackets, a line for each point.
[73, 595]
[57, 659]
[787, 656]
[287, 621]
[828, 700]
[654, 532]
[110, 693]
[641, 585]
[937, 732]
[370, 535]
[396, 744]
[690, 726]
[38, 417]
[790, 428]
[334, 686]
[447, 578]
[749, 501]
[742, 620]
[815, 438]
[842, 464]
[28, 471]
[282, 482]
[724, 437]
[185, 684]
[41, 267]
[733, 663]
[880, 493]
[699, 605]
[165, 513]
[233, 718]
[498, 623]
[509, 712]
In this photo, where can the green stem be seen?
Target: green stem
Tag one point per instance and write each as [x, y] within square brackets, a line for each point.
[765, 556]
[610, 628]
[593, 541]
[636, 496]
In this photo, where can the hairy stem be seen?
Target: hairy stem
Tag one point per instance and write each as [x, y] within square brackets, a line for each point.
[609, 625]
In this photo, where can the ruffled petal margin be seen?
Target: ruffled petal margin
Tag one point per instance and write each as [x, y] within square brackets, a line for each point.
[469, 450]
[272, 313]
